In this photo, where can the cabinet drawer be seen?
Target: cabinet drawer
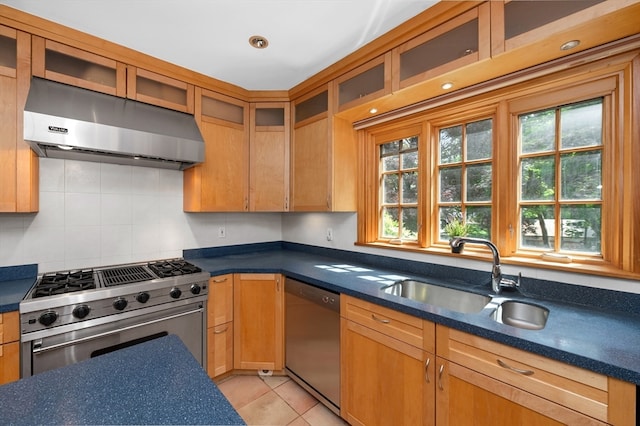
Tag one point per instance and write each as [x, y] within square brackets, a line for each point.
[404, 327]
[220, 302]
[573, 387]
[220, 349]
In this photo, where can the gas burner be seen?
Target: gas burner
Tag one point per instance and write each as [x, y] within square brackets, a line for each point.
[172, 268]
[65, 282]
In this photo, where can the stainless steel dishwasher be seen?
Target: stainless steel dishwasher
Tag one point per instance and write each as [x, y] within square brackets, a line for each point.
[312, 340]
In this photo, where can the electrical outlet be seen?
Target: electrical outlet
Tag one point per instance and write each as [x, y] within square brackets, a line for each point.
[329, 234]
[222, 232]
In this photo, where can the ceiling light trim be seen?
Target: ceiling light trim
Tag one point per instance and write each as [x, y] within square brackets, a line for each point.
[259, 42]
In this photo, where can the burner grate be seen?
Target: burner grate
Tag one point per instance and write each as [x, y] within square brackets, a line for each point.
[125, 275]
[64, 282]
[174, 267]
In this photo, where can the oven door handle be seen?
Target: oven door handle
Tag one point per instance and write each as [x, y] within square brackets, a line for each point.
[37, 348]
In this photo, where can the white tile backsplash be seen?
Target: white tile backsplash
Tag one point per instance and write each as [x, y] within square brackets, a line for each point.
[116, 209]
[145, 209]
[51, 175]
[52, 211]
[81, 176]
[81, 246]
[115, 241]
[82, 209]
[12, 250]
[94, 214]
[145, 180]
[115, 179]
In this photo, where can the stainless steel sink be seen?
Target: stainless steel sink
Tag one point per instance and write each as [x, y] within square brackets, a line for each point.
[444, 297]
[521, 315]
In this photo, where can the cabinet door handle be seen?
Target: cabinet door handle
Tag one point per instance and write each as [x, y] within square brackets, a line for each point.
[382, 320]
[440, 372]
[220, 281]
[426, 370]
[224, 330]
[516, 370]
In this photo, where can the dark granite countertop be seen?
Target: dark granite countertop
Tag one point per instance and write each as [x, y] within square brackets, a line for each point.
[601, 340]
[156, 382]
[15, 282]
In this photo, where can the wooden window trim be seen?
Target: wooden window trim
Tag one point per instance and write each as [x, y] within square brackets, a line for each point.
[621, 235]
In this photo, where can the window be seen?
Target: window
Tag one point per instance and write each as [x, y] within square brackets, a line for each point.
[544, 170]
[561, 178]
[465, 176]
[399, 189]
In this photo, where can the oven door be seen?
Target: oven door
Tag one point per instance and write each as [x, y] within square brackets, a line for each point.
[54, 351]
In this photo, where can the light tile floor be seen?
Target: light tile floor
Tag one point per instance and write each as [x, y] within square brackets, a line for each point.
[275, 400]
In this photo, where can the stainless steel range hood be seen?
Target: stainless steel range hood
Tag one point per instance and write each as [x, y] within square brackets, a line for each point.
[62, 121]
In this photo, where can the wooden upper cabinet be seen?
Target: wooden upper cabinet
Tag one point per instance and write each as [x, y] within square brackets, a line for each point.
[311, 107]
[460, 41]
[269, 156]
[19, 182]
[323, 156]
[365, 83]
[160, 90]
[8, 51]
[517, 24]
[221, 182]
[66, 64]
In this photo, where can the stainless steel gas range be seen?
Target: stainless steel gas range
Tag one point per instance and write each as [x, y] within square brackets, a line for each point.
[70, 316]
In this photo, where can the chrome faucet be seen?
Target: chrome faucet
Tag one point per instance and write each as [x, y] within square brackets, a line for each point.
[497, 282]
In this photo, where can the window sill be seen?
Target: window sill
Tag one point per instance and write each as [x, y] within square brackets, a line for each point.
[592, 267]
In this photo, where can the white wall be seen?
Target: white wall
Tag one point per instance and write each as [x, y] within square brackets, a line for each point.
[94, 214]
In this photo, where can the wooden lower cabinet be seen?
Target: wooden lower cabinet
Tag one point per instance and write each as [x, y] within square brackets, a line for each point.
[488, 383]
[258, 322]
[388, 381]
[387, 376]
[9, 347]
[220, 325]
[466, 397]
[220, 349]
[390, 375]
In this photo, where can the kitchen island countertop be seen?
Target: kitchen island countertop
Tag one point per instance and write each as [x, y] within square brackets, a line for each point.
[156, 382]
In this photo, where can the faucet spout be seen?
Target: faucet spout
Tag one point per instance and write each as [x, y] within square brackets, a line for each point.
[497, 282]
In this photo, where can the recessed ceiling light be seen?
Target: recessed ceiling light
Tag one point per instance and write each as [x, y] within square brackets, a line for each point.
[570, 45]
[258, 42]
[373, 110]
[447, 86]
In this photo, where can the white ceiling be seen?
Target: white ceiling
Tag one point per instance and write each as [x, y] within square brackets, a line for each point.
[211, 36]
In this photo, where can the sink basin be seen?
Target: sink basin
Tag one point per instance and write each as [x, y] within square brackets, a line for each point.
[521, 315]
[444, 297]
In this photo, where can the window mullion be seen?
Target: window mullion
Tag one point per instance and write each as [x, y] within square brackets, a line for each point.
[558, 181]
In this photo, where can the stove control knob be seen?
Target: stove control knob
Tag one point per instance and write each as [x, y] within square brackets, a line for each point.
[142, 297]
[81, 311]
[195, 289]
[120, 303]
[48, 318]
[175, 292]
